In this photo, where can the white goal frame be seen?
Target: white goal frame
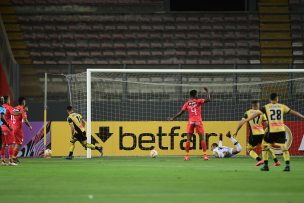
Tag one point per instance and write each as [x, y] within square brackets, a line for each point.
[90, 71]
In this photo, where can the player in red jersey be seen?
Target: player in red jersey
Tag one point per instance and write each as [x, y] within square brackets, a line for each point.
[2, 121]
[18, 121]
[8, 137]
[193, 107]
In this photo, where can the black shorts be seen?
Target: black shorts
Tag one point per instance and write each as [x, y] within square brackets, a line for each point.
[81, 136]
[278, 137]
[255, 140]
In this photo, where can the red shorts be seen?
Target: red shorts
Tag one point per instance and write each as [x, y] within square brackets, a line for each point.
[19, 136]
[8, 136]
[195, 125]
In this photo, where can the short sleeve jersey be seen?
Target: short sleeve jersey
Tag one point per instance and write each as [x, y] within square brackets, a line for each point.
[194, 108]
[75, 119]
[20, 118]
[256, 124]
[275, 116]
[8, 115]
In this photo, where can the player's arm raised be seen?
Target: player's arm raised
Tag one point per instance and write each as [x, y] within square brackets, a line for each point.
[243, 121]
[208, 97]
[181, 112]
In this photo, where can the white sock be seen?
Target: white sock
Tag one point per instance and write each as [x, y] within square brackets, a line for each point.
[237, 145]
[220, 144]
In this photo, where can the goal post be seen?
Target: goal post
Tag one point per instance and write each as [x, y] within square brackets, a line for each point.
[179, 81]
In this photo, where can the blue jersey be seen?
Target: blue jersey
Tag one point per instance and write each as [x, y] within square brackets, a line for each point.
[2, 111]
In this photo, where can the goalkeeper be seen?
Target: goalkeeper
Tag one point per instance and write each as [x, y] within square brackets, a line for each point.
[77, 124]
[220, 151]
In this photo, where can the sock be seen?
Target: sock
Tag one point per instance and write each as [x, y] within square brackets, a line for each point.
[204, 147]
[254, 155]
[11, 151]
[237, 145]
[3, 153]
[271, 153]
[220, 143]
[71, 150]
[91, 146]
[234, 141]
[286, 156]
[16, 151]
[187, 148]
[265, 155]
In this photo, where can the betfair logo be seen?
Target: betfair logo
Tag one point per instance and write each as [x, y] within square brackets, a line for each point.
[149, 140]
[104, 133]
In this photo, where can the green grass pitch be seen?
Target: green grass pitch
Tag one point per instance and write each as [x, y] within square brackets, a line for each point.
[145, 180]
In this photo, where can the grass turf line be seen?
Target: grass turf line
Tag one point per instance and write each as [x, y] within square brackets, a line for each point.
[164, 179]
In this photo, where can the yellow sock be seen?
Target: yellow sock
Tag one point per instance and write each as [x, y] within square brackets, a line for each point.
[91, 146]
[271, 153]
[265, 154]
[72, 147]
[265, 151]
[286, 155]
[253, 154]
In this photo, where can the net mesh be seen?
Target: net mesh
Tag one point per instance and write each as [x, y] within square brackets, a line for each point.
[157, 96]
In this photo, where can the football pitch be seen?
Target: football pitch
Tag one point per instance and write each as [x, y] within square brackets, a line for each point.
[145, 180]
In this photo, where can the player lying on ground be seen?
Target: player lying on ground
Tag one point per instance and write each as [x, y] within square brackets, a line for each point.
[257, 132]
[274, 112]
[193, 107]
[18, 121]
[220, 151]
[3, 120]
[77, 124]
[8, 137]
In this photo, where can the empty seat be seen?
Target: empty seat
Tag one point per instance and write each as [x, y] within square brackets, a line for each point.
[147, 38]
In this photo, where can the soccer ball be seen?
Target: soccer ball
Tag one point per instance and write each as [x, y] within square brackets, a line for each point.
[48, 153]
[153, 153]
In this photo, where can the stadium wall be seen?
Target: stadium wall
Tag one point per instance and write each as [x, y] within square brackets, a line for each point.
[138, 138]
[5, 87]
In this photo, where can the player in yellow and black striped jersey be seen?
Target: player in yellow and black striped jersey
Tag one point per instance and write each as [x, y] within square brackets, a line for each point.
[275, 112]
[77, 125]
[257, 133]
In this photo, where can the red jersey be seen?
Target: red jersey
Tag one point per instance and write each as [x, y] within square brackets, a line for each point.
[8, 115]
[17, 120]
[194, 108]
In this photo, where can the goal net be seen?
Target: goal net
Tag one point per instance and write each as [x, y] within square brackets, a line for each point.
[127, 111]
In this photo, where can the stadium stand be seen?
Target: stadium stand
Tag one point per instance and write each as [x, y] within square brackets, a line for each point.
[297, 28]
[117, 32]
[142, 39]
[275, 32]
[93, 37]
